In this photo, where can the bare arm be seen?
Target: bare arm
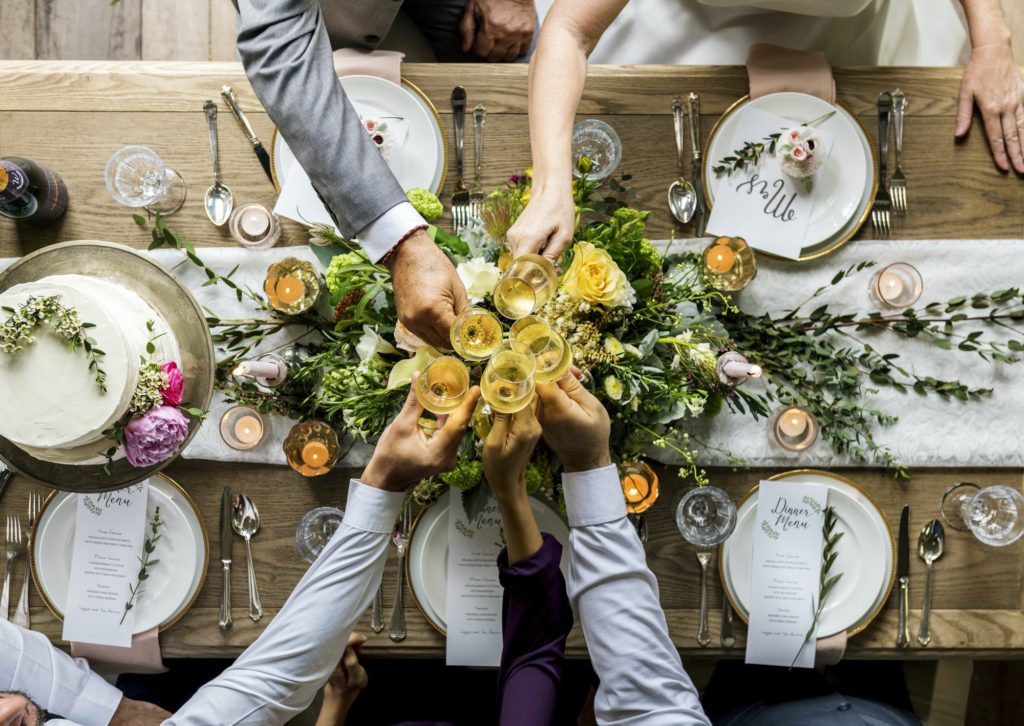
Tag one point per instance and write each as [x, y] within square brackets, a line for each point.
[557, 74]
[993, 81]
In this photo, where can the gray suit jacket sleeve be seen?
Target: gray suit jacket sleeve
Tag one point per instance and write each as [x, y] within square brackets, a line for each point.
[287, 56]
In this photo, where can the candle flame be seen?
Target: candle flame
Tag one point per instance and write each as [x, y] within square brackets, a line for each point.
[755, 371]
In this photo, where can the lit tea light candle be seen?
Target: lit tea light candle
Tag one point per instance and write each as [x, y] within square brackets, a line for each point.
[255, 222]
[249, 429]
[290, 290]
[312, 448]
[890, 286]
[254, 227]
[897, 286]
[242, 428]
[314, 454]
[795, 428]
[635, 487]
[720, 258]
[639, 486]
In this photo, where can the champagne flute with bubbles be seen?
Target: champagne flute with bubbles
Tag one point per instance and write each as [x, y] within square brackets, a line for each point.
[527, 285]
[476, 334]
[507, 383]
[443, 385]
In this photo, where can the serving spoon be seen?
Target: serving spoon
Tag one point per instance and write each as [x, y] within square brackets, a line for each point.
[219, 200]
[682, 198]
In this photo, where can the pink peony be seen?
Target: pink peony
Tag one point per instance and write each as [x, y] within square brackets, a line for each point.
[154, 436]
[175, 391]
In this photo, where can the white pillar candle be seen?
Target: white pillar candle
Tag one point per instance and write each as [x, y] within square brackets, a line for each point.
[739, 369]
[258, 369]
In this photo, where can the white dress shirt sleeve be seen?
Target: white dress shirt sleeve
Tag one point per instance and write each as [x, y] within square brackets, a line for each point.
[278, 675]
[615, 596]
[383, 233]
[57, 682]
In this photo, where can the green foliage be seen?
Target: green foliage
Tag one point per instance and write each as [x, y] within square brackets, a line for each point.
[426, 203]
[148, 548]
[827, 581]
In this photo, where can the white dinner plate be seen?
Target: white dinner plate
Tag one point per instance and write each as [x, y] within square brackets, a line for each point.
[865, 556]
[173, 583]
[428, 556]
[417, 159]
[843, 186]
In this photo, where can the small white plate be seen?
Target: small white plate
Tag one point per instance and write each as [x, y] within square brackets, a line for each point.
[417, 159]
[865, 556]
[842, 187]
[428, 555]
[173, 582]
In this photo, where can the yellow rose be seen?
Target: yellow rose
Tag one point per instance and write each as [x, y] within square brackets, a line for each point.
[594, 277]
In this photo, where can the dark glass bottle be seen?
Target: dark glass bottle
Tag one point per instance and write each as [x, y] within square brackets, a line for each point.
[31, 192]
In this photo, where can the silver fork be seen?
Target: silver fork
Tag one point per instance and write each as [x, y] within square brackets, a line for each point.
[400, 537]
[12, 540]
[35, 505]
[476, 197]
[898, 183]
[704, 631]
[880, 212]
[460, 198]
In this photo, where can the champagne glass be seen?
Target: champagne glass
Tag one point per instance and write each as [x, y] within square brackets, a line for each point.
[443, 385]
[527, 285]
[315, 531]
[705, 517]
[551, 354]
[136, 177]
[995, 514]
[507, 383]
[476, 334]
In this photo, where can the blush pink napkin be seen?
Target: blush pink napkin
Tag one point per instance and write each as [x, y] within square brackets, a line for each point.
[386, 64]
[772, 69]
[829, 651]
[143, 656]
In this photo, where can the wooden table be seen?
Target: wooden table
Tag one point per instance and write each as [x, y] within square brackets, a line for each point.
[72, 116]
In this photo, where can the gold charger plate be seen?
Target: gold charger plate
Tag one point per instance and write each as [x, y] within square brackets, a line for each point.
[834, 244]
[430, 106]
[58, 612]
[869, 617]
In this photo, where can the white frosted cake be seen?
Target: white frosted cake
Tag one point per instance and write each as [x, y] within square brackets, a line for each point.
[52, 399]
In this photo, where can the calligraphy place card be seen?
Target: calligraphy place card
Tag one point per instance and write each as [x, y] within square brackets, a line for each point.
[767, 207]
[785, 572]
[107, 546]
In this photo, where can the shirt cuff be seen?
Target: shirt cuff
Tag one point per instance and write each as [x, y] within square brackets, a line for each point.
[371, 509]
[593, 497]
[380, 235]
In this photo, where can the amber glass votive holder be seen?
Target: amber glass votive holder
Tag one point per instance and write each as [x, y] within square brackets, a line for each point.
[292, 286]
[639, 486]
[729, 264]
[312, 448]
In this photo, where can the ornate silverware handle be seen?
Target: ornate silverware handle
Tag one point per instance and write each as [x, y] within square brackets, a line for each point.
[479, 114]
[21, 615]
[884, 115]
[704, 632]
[211, 120]
[903, 637]
[232, 101]
[693, 110]
[677, 122]
[924, 634]
[255, 609]
[459, 120]
[899, 104]
[377, 616]
[396, 630]
[5, 598]
[728, 630]
[225, 596]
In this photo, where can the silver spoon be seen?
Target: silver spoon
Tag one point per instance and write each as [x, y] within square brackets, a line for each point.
[929, 547]
[245, 520]
[682, 199]
[219, 201]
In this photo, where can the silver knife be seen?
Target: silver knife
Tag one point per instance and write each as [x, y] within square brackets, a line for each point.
[903, 575]
[5, 478]
[693, 111]
[257, 146]
[225, 559]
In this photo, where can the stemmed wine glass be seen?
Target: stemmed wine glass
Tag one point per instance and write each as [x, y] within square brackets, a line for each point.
[995, 514]
[526, 286]
[443, 386]
[705, 517]
[136, 177]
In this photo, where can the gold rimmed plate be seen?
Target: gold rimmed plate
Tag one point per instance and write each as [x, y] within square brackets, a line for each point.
[867, 555]
[846, 192]
[183, 551]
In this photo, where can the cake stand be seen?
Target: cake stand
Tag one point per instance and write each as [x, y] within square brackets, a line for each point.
[167, 296]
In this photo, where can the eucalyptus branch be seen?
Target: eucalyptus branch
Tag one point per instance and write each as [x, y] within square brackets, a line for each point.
[826, 580]
[148, 547]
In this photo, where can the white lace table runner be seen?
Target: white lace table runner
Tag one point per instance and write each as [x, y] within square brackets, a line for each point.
[930, 432]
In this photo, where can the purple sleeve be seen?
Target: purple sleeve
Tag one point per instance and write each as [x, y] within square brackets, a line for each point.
[536, 621]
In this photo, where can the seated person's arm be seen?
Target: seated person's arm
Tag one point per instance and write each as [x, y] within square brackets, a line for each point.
[278, 675]
[611, 588]
[536, 617]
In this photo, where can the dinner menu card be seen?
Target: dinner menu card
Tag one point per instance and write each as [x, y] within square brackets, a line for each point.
[106, 547]
[785, 572]
[769, 209]
[474, 592]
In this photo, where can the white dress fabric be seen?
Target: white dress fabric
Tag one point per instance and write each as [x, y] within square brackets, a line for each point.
[720, 32]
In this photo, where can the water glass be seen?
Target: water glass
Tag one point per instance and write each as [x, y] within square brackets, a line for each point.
[995, 514]
[136, 177]
[597, 141]
[315, 531]
[705, 516]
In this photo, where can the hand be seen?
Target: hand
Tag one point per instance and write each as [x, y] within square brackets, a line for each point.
[507, 452]
[17, 709]
[575, 424]
[138, 713]
[993, 81]
[497, 30]
[404, 455]
[547, 224]
[344, 685]
[428, 291]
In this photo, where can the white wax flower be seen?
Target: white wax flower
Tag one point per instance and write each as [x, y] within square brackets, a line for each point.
[479, 278]
[614, 388]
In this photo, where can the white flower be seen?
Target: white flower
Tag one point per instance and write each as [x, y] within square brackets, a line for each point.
[613, 387]
[370, 344]
[407, 340]
[401, 374]
[701, 354]
[479, 277]
[614, 346]
[632, 350]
